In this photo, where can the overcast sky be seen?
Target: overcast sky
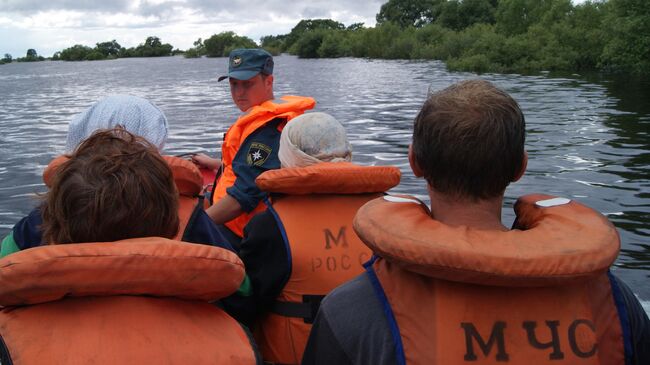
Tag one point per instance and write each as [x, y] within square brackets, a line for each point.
[52, 25]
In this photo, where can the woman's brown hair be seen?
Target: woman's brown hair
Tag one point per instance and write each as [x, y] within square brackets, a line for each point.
[114, 186]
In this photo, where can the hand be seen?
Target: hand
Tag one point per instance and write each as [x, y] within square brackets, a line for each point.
[206, 162]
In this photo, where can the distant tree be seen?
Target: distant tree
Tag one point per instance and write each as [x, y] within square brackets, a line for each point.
[274, 43]
[31, 56]
[334, 44]
[307, 25]
[489, 35]
[127, 52]
[7, 58]
[216, 44]
[94, 55]
[307, 46]
[111, 48]
[197, 51]
[628, 47]
[355, 26]
[56, 56]
[152, 47]
[516, 16]
[77, 52]
[313, 24]
[198, 44]
[407, 13]
[588, 35]
[191, 53]
[457, 14]
[152, 42]
[220, 45]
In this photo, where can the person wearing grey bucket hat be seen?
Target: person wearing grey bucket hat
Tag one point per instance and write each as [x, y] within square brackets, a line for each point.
[251, 144]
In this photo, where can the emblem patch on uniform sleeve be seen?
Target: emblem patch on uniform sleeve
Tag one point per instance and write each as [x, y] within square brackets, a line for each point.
[257, 154]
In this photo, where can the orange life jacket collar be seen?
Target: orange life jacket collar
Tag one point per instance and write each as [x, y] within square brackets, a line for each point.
[288, 107]
[329, 178]
[552, 245]
[151, 266]
[285, 108]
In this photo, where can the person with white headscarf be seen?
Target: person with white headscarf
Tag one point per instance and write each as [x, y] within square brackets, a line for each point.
[143, 118]
[137, 115]
[303, 245]
[313, 138]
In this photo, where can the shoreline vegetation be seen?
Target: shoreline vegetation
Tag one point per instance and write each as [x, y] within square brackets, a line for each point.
[503, 36]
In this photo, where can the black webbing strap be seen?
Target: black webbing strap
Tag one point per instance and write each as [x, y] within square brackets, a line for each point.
[5, 357]
[306, 310]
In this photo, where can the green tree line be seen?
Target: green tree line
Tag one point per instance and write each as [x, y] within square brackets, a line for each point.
[219, 45]
[470, 35]
[152, 47]
[488, 35]
[31, 56]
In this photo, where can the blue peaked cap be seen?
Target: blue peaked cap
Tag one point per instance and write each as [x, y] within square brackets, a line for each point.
[245, 63]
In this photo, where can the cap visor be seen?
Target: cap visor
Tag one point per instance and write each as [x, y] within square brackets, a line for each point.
[221, 78]
[243, 74]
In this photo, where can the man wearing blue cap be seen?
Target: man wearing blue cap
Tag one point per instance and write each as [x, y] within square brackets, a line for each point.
[251, 144]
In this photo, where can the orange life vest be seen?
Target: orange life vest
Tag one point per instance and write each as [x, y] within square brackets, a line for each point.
[323, 250]
[137, 301]
[287, 107]
[538, 294]
[188, 179]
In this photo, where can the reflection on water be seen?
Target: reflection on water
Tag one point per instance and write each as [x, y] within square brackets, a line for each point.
[587, 137]
[630, 150]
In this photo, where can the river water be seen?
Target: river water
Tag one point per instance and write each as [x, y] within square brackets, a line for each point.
[587, 137]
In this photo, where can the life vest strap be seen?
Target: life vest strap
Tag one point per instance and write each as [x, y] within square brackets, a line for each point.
[306, 310]
[5, 356]
[212, 188]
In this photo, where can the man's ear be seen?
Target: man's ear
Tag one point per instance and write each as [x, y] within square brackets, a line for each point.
[268, 86]
[524, 164]
[414, 163]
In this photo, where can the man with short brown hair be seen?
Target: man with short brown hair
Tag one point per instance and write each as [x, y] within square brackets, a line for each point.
[453, 285]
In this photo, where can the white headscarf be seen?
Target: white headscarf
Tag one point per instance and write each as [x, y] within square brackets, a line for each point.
[312, 138]
[138, 116]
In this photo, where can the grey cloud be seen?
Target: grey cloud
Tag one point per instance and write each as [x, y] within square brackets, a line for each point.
[265, 9]
[215, 11]
[314, 12]
[160, 10]
[33, 6]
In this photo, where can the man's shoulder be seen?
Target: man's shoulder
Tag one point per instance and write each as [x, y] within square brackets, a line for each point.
[636, 318]
[356, 319]
[352, 308]
[352, 292]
